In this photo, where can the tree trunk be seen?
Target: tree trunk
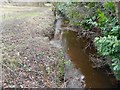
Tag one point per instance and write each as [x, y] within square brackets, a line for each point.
[118, 11]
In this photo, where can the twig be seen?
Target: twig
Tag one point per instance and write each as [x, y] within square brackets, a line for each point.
[64, 84]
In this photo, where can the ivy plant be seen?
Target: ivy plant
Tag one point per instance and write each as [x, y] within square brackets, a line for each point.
[110, 47]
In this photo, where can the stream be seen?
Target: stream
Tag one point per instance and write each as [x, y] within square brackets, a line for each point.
[94, 78]
[75, 47]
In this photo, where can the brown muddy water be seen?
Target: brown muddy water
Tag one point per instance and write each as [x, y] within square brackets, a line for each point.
[94, 78]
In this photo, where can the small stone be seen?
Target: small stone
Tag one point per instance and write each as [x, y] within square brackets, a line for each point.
[46, 39]
[25, 57]
[21, 86]
[82, 77]
[18, 54]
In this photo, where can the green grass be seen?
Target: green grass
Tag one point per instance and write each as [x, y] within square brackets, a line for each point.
[20, 15]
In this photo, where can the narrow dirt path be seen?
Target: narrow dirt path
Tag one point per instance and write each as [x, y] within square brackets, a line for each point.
[28, 58]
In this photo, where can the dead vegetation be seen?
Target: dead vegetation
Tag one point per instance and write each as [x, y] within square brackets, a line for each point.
[29, 61]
